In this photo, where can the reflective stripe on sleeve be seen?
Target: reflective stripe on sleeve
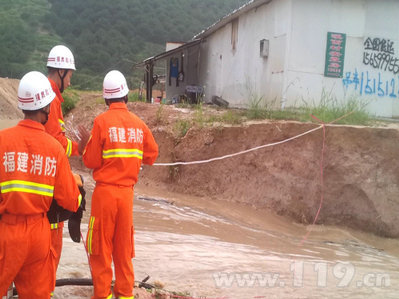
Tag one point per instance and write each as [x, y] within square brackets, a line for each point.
[62, 125]
[80, 199]
[68, 150]
[28, 187]
[123, 153]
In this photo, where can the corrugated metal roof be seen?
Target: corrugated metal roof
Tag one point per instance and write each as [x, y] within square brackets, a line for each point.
[228, 18]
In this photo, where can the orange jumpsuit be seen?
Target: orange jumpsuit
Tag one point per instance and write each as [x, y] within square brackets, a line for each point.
[33, 169]
[55, 126]
[119, 143]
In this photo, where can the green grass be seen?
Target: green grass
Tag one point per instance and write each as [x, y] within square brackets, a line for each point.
[328, 109]
[159, 117]
[71, 97]
[199, 116]
[353, 112]
[181, 127]
[135, 97]
[258, 108]
[185, 105]
[202, 116]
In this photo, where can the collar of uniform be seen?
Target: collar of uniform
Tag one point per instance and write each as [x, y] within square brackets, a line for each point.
[31, 124]
[56, 90]
[118, 105]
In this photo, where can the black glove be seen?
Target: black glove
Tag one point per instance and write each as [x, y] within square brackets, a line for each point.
[57, 213]
[76, 218]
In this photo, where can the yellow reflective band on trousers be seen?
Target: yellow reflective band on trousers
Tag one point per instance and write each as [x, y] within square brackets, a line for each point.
[68, 150]
[62, 125]
[121, 297]
[123, 153]
[90, 235]
[53, 225]
[28, 187]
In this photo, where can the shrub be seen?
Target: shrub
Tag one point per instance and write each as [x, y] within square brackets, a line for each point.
[71, 97]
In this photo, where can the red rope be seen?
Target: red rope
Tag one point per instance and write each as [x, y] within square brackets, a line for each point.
[185, 297]
[321, 178]
[87, 254]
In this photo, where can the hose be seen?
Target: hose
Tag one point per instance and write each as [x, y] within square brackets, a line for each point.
[85, 282]
[67, 282]
[73, 282]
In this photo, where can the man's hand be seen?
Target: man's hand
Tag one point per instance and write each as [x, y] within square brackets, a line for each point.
[84, 138]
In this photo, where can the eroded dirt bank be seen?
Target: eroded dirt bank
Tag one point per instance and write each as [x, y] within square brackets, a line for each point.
[361, 173]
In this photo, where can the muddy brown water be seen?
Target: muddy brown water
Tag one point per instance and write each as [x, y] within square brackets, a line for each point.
[219, 249]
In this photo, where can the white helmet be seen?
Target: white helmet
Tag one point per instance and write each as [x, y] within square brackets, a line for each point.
[60, 57]
[114, 85]
[34, 91]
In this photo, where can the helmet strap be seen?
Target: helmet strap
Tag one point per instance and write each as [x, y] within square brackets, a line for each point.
[46, 112]
[62, 77]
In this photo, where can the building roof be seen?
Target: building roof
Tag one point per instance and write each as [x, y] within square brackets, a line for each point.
[208, 31]
[228, 18]
[169, 53]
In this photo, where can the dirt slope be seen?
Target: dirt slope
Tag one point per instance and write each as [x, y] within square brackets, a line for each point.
[361, 172]
[8, 99]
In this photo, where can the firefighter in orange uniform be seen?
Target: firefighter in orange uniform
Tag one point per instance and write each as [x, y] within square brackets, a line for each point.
[120, 142]
[61, 65]
[33, 169]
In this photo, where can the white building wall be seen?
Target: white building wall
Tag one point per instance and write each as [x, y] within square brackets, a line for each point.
[377, 89]
[293, 74]
[242, 75]
[381, 22]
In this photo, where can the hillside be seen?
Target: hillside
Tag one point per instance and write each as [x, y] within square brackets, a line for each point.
[102, 34]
